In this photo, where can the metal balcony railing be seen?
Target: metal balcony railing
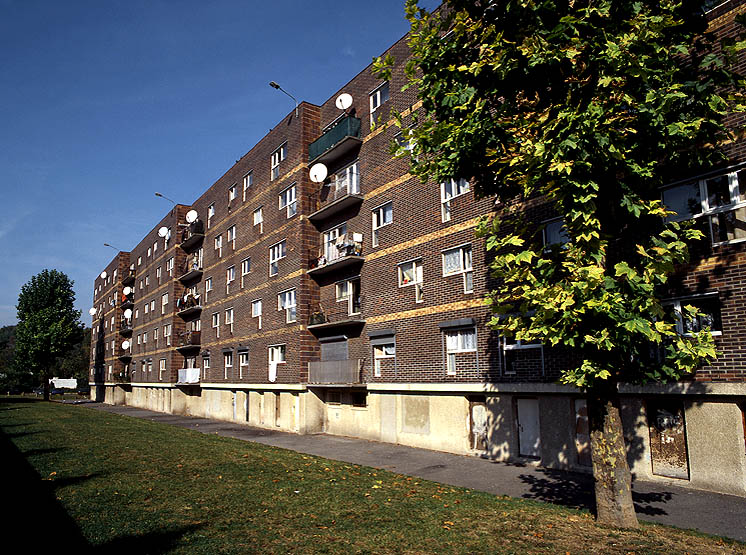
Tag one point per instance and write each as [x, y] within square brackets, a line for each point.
[189, 339]
[346, 127]
[342, 312]
[335, 371]
[347, 245]
[192, 234]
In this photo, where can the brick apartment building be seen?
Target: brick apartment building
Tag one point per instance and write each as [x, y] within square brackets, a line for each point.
[355, 307]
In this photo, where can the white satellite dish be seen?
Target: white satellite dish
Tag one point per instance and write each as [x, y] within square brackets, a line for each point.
[162, 231]
[125, 344]
[104, 274]
[128, 313]
[318, 173]
[343, 101]
[127, 290]
[191, 216]
[92, 311]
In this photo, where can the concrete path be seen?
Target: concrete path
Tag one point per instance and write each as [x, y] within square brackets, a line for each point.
[712, 513]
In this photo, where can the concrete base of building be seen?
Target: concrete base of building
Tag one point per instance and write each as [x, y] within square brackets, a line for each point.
[687, 439]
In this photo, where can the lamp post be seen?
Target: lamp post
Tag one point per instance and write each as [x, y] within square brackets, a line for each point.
[274, 85]
[164, 196]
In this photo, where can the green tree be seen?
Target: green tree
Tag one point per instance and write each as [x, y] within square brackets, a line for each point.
[591, 107]
[48, 324]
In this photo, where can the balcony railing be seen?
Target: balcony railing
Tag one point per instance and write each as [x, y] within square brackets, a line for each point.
[188, 375]
[188, 304]
[336, 197]
[335, 371]
[125, 326]
[122, 377]
[128, 276]
[345, 250]
[342, 314]
[189, 339]
[192, 269]
[192, 234]
[343, 136]
[128, 301]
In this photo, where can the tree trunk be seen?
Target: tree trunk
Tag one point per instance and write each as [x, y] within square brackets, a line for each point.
[614, 506]
[46, 388]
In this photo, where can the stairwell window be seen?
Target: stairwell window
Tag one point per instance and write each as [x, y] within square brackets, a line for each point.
[216, 324]
[286, 302]
[410, 273]
[167, 334]
[276, 253]
[377, 98]
[458, 261]
[248, 181]
[382, 216]
[170, 267]
[245, 269]
[229, 318]
[164, 303]
[451, 189]
[277, 157]
[259, 219]
[288, 201]
[230, 277]
[208, 287]
[232, 236]
[256, 312]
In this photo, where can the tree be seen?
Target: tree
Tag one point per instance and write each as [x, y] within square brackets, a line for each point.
[48, 324]
[589, 107]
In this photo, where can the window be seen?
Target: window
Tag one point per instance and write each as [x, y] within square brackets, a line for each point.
[152, 305]
[248, 181]
[139, 338]
[170, 267]
[243, 364]
[256, 312]
[205, 367]
[449, 189]
[144, 338]
[288, 201]
[158, 275]
[232, 193]
[555, 233]
[230, 277]
[245, 269]
[139, 260]
[141, 284]
[459, 341]
[410, 273]
[349, 290]
[147, 280]
[720, 199]
[167, 334]
[276, 252]
[216, 323]
[383, 215]
[219, 245]
[227, 363]
[405, 142]
[229, 318]
[210, 214]
[277, 157]
[381, 352]
[161, 368]
[145, 308]
[276, 354]
[150, 251]
[155, 336]
[286, 302]
[208, 287]
[377, 98]
[346, 181]
[708, 307]
[150, 365]
[259, 219]
[164, 302]
[232, 236]
[458, 261]
[331, 238]
[155, 247]
[137, 313]
[511, 348]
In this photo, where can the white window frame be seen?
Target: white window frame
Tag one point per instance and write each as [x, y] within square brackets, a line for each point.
[248, 181]
[231, 236]
[280, 349]
[164, 302]
[232, 193]
[277, 252]
[418, 273]
[259, 219]
[230, 277]
[378, 222]
[208, 287]
[277, 157]
[286, 300]
[243, 363]
[347, 180]
[210, 214]
[245, 269]
[257, 304]
[678, 307]
[216, 323]
[158, 274]
[458, 187]
[167, 334]
[451, 353]
[378, 97]
[466, 265]
[170, 266]
[228, 320]
[219, 245]
[161, 368]
[379, 354]
[288, 200]
[329, 241]
[227, 363]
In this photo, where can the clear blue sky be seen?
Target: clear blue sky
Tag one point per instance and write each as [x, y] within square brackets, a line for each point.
[102, 103]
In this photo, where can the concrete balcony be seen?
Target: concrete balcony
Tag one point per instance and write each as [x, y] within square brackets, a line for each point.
[129, 277]
[189, 340]
[192, 235]
[335, 371]
[346, 252]
[336, 141]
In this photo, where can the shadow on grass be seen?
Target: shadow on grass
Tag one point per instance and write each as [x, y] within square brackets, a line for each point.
[153, 543]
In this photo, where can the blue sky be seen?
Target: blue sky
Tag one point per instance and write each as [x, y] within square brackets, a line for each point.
[104, 103]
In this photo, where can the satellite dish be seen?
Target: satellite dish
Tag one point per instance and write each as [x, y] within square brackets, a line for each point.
[163, 231]
[127, 290]
[191, 216]
[318, 172]
[104, 274]
[92, 311]
[128, 313]
[125, 344]
[343, 101]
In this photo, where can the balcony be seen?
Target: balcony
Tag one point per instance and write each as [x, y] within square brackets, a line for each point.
[335, 371]
[336, 197]
[191, 270]
[124, 355]
[192, 234]
[344, 315]
[188, 306]
[336, 141]
[128, 301]
[121, 377]
[125, 327]
[128, 278]
[188, 376]
[346, 251]
[188, 340]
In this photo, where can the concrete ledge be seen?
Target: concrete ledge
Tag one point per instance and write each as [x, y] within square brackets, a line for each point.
[152, 384]
[475, 387]
[262, 386]
[685, 388]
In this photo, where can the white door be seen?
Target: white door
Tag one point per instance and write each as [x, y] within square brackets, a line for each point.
[529, 442]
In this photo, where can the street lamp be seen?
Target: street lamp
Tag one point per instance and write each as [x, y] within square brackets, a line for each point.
[274, 85]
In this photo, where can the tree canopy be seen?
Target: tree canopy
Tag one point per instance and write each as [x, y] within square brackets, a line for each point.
[48, 324]
[589, 108]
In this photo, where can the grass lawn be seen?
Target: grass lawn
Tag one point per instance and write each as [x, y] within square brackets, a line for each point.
[95, 482]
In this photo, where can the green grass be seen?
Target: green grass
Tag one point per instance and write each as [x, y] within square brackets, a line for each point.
[97, 482]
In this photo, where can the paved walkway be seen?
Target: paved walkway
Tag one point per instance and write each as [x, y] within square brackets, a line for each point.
[713, 513]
